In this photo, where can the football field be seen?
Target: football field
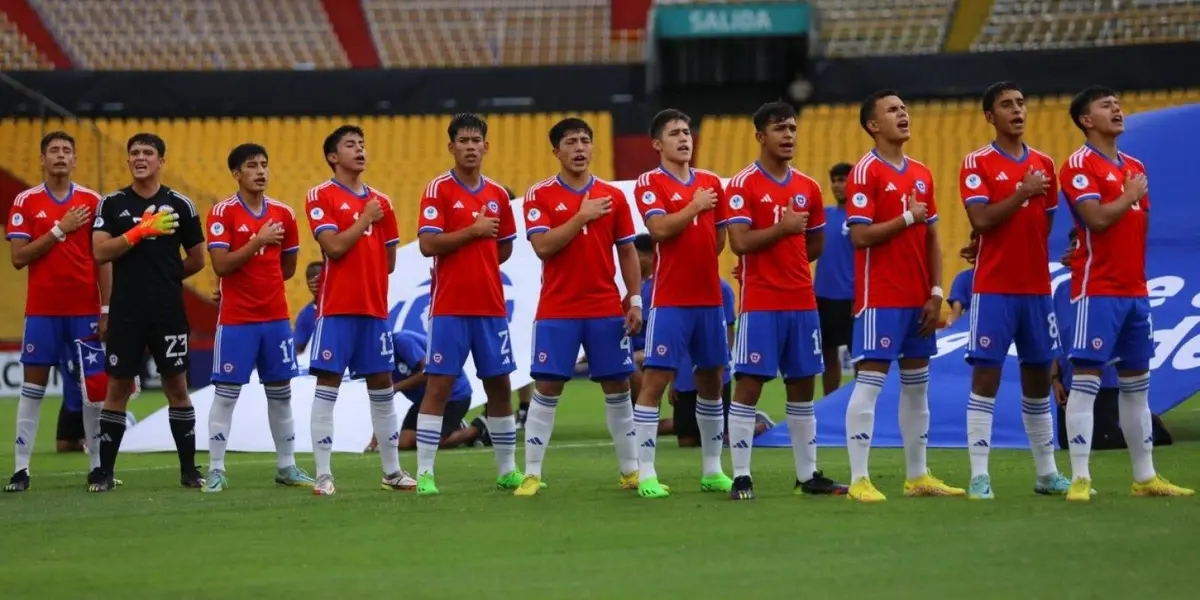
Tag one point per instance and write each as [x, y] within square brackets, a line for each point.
[585, 538]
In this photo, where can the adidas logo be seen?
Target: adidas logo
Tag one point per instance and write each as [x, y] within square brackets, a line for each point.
[394, 437]
[535, 441]
[220, 437]
[631, 433]
[507, 361]
[124, 213]
[1110, 177]
[980, 444]
[459, 205]
[243, 229]
[925, 436]
[676, 197]
[766, 199]
[648, 444]
[741, 444]
[104, 437]
[812, 442]
[628, 361]
[1002, 176]
[41, 214]
[862, 437]
[326, 440]
[718, 438]
[561, 207]
[291, 438]
[1079, 439]
[20, 441]
[344, 206]
[890, 187]
[179, 362]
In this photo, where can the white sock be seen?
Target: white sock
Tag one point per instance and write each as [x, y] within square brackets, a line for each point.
[860, 420]
[1081, 404]
[220, 423]
[321, 425]
[710, 419]
[504, 441]
[645, 425]
[914, 419]
[802, 429]
[741, 437]
[980, 411]
[283, 426]
[386, 427]
[1134, 410]
[618, 414]
[429, 437]
[1039, 427]
[27, 422]
[539, 424]
[91, 430]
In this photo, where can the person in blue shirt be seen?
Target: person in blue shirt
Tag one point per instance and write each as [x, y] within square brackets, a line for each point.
[962, 286]
[306, 319]
[834, 282]
[409, 379]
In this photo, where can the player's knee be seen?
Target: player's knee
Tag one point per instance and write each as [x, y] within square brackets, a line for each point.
[985, 378]
[328, 379]
[708, 382]
[654, 383]
[36, 374]
[550, 387]
[1133, 368]
[614, 386]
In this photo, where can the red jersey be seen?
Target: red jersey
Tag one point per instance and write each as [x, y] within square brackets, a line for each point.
[1010, 256]
[580, 281]
[685, 266]
[466, 282]
[1112, 263]
[62, 282]
[894, 274]
[254, 293]
[778, 277]
[357, 283]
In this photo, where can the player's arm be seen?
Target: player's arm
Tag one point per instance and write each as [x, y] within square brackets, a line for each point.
[414, 381]
[814, 244]
[225, 261]
[860, 215]
[986, 216]
[1082, 193]
[290, 251]
[107, 243]
[663, 226]
[744, 240]
[193, 260]
[104, 280]
[631, 270]
[933, 255]
[547, 243]
[505, 249]
[191, 237]
[506, 230]
[335, 244]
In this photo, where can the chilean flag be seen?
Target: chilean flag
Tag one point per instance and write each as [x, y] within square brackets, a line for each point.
[92, 378]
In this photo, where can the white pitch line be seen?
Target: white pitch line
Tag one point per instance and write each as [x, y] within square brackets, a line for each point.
[471, 450]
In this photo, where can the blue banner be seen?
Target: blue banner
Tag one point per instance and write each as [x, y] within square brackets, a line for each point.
[1161, 139]
[732, 20]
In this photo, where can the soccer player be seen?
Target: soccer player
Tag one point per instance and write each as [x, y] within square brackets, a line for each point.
[685, 212]
[898, 296]
[50, 231]
[467, 226]
[356, 229]
[410, 380]
[573, 221]
[776, 227]
[834, 282]
[142, 230]
[253, 241]
[683, 386]
[1010, 197]
[306, 319]
[1107, 192]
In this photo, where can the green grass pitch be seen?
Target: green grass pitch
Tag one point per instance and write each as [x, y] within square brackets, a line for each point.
[585, 538]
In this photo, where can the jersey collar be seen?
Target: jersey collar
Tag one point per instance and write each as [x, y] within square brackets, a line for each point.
[363, 196]
[784, 181]
[901, 169]
[583, 190]
[1016, 159]
[1119, 163]
[482, 182]
[66, 199]
[258, 215]
[688, 183]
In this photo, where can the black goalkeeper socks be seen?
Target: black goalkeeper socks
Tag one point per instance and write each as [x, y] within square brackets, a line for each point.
[112, 430]
[183, 429]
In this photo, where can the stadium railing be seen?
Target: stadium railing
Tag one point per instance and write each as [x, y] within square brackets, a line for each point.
[1050, 24]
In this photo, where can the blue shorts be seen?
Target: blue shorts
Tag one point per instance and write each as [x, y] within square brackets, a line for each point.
[771, 342]
[51, 340]
[999, 320]
[890, 334]
[674, 333]
[556, 348]
[1109, 329]
[485, 338]
[239, 349]
[364, 344]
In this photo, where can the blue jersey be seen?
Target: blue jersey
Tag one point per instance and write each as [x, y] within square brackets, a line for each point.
[684, 376]
[409, 349]
[835, 269]
[960, 289]
[1064, 312]
[305, 322]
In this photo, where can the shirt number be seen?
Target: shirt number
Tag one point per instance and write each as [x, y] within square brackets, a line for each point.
[176, 345]
[260, 251]
[369, 228]
[288, 348]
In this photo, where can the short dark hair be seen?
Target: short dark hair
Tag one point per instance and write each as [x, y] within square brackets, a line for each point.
[1082, 102]
[57, 135]
[772, 112]
[643, 243]
[316, 264]
[840, 170]
[568, 125]
[660, 120]
[993, 91]
[147, 139]
[866, 112]
[466, 121]
[332, 140]
[238, 156]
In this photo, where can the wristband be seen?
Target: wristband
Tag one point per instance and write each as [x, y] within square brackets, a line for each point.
[909, 219]
[104, 310]
[58, 233]
[635, 301]
[937, 291]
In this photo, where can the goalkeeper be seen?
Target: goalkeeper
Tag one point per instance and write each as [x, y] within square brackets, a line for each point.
[153, 237]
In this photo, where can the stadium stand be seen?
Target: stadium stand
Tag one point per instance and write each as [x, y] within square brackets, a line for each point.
[478, 33]
[16, 52]
[944, 131]
[182, 35]
[871, 27]
[405, 153]
[1046, 24]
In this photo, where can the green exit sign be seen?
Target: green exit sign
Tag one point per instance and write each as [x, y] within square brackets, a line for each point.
[731, 20]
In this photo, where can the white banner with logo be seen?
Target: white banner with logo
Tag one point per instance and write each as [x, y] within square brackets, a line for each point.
[12, 374]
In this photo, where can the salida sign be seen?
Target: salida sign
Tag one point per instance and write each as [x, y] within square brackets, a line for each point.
[729, 21]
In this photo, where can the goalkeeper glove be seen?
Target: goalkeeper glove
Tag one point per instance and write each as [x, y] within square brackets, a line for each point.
[153, 224]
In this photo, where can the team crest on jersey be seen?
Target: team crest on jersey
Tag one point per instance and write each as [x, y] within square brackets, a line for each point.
[1097, 343]
[755, 357]
[736, 202]
[921, 186]
[430, 213]
[403, 368]
[29, 348]
[1080, 181]
[112, 359]
[859, 200]
[985, 341]
[327, 354]
[437, 357]
[800, 200]
[98, 223]
[17, 219]
[534, 214]
[228, 367]
[973, 181]
[648, 197]
[493, 206]
[885, 342]
[316, 213]
[661, 350]
[542, 357]
[216, 229]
